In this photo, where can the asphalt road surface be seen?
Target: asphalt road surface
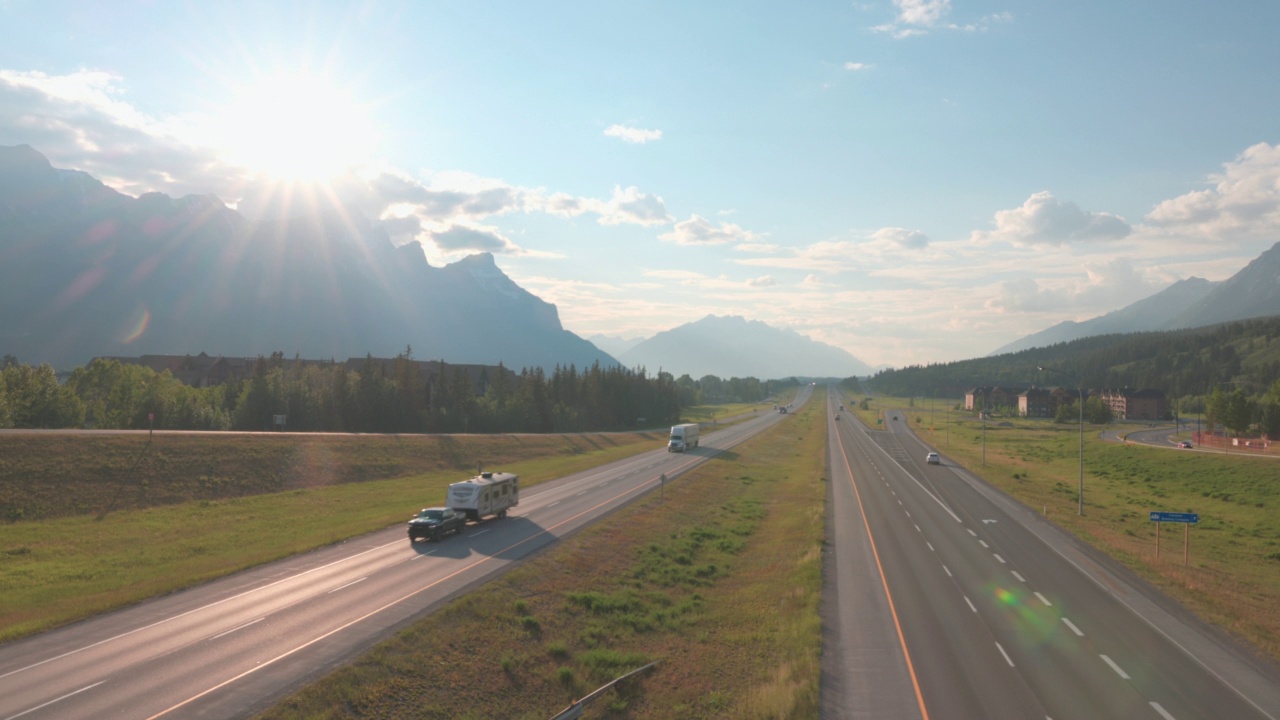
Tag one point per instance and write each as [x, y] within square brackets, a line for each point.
[231, 647]
[946, 599]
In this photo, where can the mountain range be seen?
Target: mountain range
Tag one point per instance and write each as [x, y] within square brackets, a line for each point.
[86, 271]
[1193, 302]
[736, 347]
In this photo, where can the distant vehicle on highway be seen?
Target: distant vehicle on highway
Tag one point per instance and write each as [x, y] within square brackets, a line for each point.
[489, 493]
[933, 459]
[1184, 444]
[435, 522]
[837, 416]
[683, 437]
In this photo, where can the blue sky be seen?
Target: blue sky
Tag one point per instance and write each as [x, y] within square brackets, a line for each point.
[912, 180]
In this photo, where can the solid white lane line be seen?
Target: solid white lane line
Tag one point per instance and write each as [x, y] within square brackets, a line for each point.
[251, 622]
[1073, 627]
[1020, 578]
[353, 582]
[1163, 713]
[971, 607]
[64, 697]
[1044, 600]
[1002, 562]
[1114, 666]
[1006, 655]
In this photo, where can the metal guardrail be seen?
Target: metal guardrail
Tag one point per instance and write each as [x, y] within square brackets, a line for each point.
[575, 710]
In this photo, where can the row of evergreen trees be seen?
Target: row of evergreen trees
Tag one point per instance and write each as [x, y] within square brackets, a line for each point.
[332, 398]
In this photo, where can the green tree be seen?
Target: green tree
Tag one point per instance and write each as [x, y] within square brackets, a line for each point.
[36, 399]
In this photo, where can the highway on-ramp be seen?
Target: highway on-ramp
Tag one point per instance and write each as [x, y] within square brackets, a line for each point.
[946, 599]
[231, 647]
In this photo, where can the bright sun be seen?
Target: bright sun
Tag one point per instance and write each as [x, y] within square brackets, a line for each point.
[296, 128]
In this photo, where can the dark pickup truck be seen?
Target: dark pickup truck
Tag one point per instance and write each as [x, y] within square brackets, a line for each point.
[434, 523]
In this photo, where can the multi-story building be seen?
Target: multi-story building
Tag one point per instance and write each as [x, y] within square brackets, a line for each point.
[1131, 404]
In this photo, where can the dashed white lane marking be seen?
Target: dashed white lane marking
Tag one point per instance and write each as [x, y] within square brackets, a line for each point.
[1006, 655]
[1020, 578]
[944, 567]
[58, 699]
[972, 532]
[1044, 600]
[918, 528]
[1073, 627]
[353, 582]
[1114, 666]
[930, 546]
[971, 607]
[1002, 562]
[251, 622]
[984, 544]
[1163, 713]
[479, 532]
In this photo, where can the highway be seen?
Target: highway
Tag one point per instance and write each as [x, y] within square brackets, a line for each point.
[232, 647]
[946, 599]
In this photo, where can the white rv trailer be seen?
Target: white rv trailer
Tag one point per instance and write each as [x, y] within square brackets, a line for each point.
[489, 493]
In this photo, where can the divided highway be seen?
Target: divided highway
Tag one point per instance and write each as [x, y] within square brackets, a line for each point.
[945, 599]
[231, 647]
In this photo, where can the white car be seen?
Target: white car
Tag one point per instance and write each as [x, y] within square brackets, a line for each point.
[933, 459]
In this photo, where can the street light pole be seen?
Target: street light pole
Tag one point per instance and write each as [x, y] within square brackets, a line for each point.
[1080, 390]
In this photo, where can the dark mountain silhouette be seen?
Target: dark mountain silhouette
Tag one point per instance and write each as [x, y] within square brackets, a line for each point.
[736, 347]
[1195, 302]
[87, 271]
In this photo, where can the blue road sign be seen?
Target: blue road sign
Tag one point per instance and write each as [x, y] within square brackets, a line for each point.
[1175, 517]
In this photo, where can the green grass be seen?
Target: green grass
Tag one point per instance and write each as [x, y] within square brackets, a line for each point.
[728, 565]
[1233, 579]
[66, 568]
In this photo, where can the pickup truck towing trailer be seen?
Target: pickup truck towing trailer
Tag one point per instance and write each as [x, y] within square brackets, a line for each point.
[434, 522]
[683, 437]
[489, 493]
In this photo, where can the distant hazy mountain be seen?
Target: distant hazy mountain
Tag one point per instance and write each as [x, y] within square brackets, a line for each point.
[1252, 292]
[87, 271]
[614, 345]
[1153, 313]
[735, 347]
[1194, 302]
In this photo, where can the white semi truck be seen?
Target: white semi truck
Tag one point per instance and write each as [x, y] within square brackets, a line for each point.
[683, 437]
[489, 493]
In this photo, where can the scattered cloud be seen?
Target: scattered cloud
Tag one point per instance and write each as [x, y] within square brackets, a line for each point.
[901, 237]
[1244, 202]
[858, 67]
[1044, 220]
[465, 239]
[700, 231]
[762, 281]
[1106, 285]
[632, 207]
[919, 17]
[633, 135]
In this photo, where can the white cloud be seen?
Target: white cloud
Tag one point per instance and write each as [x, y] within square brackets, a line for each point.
[467, 239]
[631, 207]
[633, 135]
[857, 66]
[918, 17]
[1043, 220]
[699, 231]
[1244, 202]
[1106, 285]
[901, 237]
[762, 281]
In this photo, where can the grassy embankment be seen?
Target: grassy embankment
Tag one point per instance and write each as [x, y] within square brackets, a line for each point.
[111, 520]
[1233, 579]
[719, 582]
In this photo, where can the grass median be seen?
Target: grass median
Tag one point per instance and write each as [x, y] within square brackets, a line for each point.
[718, 579]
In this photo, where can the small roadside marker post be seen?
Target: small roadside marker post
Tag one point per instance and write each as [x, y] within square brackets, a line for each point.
[662, 488]
[1186, 519]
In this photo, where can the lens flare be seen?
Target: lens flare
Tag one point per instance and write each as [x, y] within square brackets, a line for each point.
[140, 327]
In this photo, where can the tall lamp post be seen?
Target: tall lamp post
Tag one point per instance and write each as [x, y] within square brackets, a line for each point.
[1080, 390]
